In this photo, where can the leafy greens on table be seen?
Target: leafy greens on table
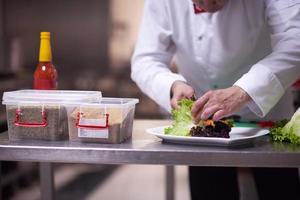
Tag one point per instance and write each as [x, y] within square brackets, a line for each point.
[287, 131]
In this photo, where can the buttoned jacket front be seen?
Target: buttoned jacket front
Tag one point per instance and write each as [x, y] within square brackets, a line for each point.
[254, 44]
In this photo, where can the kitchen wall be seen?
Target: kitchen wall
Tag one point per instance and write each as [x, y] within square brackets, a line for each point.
[79, 34]
[1, 37]
[92, 42]
[126, 17]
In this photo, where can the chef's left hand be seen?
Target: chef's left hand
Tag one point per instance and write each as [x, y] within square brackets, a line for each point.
[219, 103]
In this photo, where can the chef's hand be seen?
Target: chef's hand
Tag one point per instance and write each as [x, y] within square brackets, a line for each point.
[180, 90]
[219, 103]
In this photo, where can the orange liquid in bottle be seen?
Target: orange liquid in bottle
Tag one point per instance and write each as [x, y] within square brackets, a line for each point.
[45, 75]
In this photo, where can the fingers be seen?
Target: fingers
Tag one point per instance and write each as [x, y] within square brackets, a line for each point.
[179, 91]
[215, 111]
[219, 103]
[206, 106]
[206, 113]
[210, 111]
[177, 97]
[199, 104]
[190, 94]
[219, 115]
[174, 101]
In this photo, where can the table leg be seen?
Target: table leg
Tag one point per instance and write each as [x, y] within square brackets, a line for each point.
[0, 182]
[170, 182]
[46, 181]
[246, 184]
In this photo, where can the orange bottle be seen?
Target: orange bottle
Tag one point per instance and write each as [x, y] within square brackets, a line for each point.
[45, 75]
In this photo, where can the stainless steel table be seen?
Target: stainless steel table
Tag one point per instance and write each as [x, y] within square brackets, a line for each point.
[147, 149]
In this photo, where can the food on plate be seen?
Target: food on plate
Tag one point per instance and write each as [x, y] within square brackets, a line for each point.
[287, 131]
[182, 117]
[183, 124]
[210, 128]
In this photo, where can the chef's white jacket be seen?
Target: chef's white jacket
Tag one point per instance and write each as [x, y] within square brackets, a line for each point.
[254, 44]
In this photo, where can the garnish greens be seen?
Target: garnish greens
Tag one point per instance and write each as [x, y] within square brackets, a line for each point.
[182, 119]
[287, 131]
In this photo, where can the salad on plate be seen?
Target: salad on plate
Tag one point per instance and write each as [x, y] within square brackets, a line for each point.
[183, 124]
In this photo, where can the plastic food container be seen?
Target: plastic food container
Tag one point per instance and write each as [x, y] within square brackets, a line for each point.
[41, 114]
[108, 121]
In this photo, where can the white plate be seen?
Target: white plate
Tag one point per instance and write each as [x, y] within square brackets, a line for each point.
[238, 136]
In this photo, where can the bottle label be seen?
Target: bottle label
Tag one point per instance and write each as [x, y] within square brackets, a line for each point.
[44, 84]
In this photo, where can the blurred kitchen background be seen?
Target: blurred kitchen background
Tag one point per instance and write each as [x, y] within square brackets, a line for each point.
[92, 43]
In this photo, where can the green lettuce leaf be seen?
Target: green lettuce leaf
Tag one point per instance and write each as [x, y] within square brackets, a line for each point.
[182, 119]
[287, 131]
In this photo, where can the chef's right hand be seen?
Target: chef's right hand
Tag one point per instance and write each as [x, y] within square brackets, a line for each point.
[180, 90]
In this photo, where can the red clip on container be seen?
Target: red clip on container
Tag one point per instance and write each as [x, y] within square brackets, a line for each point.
[41, 114]
[18, 122]
[108, 121]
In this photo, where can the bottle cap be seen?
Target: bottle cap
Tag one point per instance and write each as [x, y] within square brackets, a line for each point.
[45, 35]
[45, 48]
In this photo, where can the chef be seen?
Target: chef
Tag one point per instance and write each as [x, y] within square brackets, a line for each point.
[236, 57]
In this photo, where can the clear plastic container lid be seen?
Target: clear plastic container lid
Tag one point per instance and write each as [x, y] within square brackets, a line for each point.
[49, 96]
[106, 102]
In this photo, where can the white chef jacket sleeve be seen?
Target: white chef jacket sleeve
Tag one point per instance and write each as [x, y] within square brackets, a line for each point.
[150, 64]
[267, 80]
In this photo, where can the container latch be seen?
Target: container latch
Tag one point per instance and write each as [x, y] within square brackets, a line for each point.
[91, 126]
[30, 124]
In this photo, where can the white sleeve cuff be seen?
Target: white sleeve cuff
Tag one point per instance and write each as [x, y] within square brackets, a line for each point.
[161, 92]
[263, 87]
